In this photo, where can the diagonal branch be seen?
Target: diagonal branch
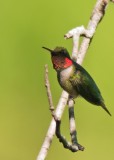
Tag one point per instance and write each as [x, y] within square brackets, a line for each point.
[96, 17]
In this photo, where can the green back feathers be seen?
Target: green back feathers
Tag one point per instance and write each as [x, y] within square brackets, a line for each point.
[86, 86]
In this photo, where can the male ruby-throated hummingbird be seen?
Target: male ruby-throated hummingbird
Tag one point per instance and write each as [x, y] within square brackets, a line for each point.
[74, 79]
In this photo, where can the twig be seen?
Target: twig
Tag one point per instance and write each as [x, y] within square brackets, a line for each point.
[96, 17]
[73, 131]
[74, 146]
[49, 95]
[75, 33]
[51, 130]
[66, 144]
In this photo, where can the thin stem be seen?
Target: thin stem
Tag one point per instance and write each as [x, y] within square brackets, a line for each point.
[73, 131]
[49, 95]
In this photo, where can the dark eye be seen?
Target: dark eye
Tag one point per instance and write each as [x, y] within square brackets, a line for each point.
[55, 53]
[63, 51]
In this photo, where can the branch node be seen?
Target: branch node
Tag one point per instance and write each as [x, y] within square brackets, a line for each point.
[78, 31]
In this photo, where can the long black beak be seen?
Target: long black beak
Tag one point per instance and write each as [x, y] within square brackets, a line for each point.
[48, 49]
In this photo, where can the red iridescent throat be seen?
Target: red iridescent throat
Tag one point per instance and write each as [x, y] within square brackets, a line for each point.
[68, 62]
[61, 63]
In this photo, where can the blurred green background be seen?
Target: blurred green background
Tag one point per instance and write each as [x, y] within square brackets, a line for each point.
[26, 26]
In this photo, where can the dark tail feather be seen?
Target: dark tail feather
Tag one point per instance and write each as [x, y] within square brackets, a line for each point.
[104, 107]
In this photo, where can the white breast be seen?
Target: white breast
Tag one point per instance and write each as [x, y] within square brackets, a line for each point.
[63, 78]
[66, 73]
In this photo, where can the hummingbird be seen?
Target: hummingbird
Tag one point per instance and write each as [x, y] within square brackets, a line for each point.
[74, 79]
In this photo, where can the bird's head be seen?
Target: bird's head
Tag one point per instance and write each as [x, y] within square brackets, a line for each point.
[60, 58]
